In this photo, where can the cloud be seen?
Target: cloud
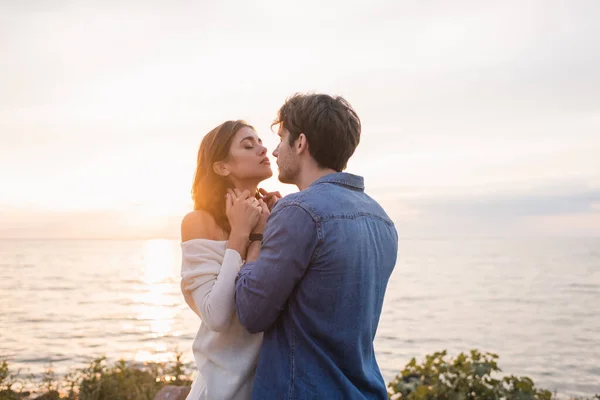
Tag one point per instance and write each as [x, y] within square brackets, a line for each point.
[558, 209]
[452, 96]
[550, 201]
[34, 224]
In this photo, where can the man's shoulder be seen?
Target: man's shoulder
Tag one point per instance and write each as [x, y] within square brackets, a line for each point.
[312, 193]
[330, 200]
[296, 200]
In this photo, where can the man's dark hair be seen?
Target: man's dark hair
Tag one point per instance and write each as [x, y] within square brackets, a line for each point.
[331, 126]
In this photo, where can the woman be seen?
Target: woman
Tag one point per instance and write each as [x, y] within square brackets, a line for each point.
[215, 237]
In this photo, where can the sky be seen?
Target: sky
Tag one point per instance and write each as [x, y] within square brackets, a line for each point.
[479, 118]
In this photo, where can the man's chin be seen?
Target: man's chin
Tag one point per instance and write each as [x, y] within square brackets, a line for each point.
[284, 179]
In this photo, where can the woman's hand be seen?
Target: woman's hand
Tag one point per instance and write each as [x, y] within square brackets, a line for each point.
[243, 212]
[262, 220]
[270, 198]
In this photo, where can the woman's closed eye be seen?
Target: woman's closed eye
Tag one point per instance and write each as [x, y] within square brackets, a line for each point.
[250, 143]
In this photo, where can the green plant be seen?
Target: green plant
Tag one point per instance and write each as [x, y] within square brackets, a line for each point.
[125, 381]
[100, 382]
[468, 376]
[7, 380]
[176, 374]
[49, 380]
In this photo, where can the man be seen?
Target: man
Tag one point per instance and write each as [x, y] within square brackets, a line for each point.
[316, 284]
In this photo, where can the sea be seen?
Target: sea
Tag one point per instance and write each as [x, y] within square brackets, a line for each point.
[533, 301]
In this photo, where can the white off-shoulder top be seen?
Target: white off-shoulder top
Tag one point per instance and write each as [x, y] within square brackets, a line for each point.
[225, 353]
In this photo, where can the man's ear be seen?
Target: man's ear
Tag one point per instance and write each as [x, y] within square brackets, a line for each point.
[301, 144]
[220, 168]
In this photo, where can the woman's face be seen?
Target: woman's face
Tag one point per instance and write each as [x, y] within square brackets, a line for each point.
[248, 157]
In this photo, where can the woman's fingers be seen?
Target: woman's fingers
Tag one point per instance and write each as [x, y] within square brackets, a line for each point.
[235, 196]
[241, 195]
[268, 195]
[275, 195]
[228, 202]
[232, 194]
[264, 193]
[254, 203]
[263, 206]
[270, 198]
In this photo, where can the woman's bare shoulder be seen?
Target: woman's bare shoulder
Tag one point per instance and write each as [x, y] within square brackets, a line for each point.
[200, 224]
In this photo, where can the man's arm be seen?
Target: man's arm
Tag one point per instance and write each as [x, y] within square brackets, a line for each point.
[264, 286]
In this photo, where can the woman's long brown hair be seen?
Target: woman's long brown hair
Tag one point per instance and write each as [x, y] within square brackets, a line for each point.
[209, 188]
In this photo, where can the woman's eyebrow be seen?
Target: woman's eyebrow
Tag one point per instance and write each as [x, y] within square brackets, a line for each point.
[252, 138]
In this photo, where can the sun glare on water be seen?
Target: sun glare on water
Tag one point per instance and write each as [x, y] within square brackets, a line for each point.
[155, 303]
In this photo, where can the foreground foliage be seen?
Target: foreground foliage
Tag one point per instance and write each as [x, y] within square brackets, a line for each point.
[98, 381]
[466, 377]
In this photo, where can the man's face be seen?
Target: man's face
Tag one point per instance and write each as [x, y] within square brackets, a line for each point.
[287, 159]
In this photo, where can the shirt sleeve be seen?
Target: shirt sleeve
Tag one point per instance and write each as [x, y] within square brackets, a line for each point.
[264, 286]
[208, 284]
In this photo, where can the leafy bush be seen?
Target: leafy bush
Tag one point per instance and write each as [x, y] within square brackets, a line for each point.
[468, 376]
[99, 381]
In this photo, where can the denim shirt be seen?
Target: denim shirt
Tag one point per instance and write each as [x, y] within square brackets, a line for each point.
[316, 291]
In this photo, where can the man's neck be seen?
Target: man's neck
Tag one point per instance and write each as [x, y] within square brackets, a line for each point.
[311, 175]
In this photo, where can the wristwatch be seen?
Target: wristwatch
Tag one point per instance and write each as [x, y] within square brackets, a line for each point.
[256, 236]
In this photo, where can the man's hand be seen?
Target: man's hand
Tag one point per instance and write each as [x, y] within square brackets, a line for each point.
[270, 198]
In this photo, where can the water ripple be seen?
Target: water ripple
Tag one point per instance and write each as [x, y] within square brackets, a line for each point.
[533, 303]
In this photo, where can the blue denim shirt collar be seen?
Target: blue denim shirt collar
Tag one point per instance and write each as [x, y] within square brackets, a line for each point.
[343, 178]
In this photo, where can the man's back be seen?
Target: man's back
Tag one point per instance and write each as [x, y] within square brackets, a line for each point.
[321, 346]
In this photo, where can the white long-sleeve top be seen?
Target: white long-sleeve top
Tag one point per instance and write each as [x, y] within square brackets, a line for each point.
[225, 353]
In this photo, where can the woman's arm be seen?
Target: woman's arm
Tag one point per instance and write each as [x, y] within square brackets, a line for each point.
[209, 287]
[208, 282]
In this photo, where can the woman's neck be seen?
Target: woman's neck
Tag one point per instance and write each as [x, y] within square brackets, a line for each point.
[249, 186]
